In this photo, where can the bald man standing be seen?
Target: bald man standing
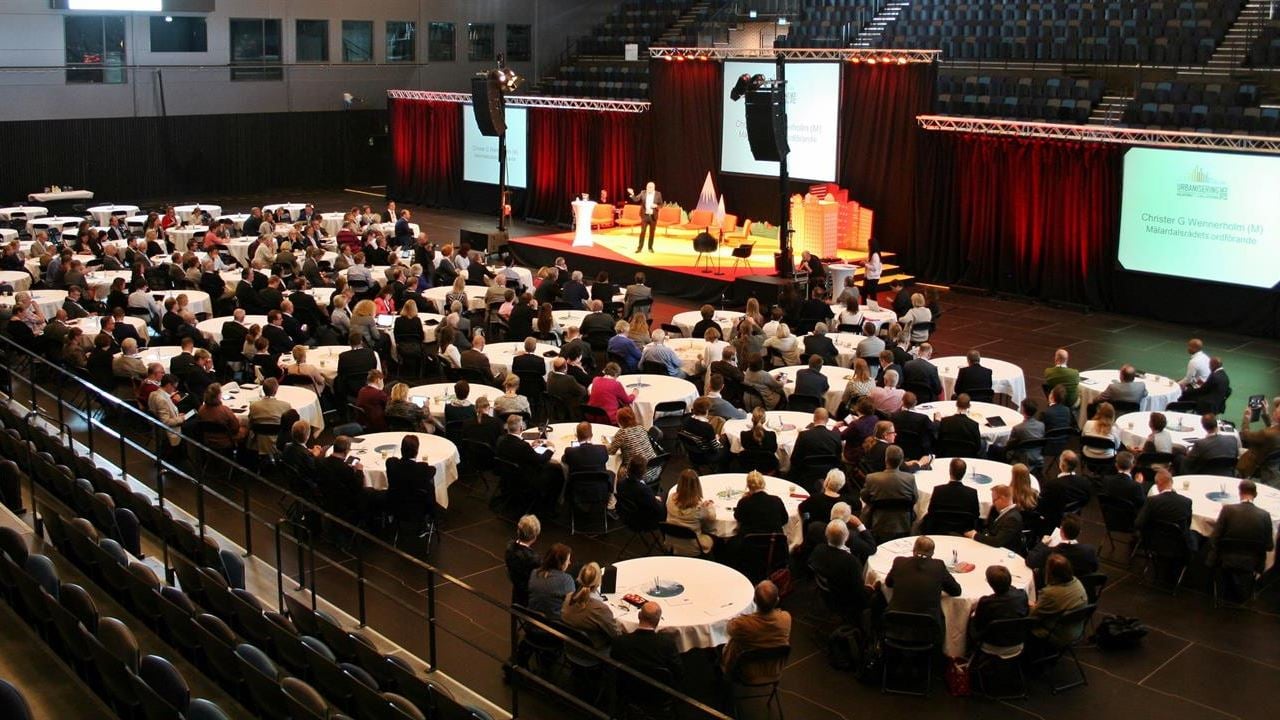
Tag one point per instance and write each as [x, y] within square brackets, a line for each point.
[649, 201]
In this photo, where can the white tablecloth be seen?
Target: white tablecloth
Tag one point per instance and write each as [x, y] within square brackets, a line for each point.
[726, 489]
[27, 211]
[374, 449]
[185, 211]
[197, 300]
[880, 316]
[846, 346]
[432, 396]
[501, 354]
[786, 426]
[978, 412]
[1209, 493]
[524, 274]
[234, 277]
[325, 358]
[236, 219]
[292, 208]
[239, 249]
[1184, 428]
[302, 399]
[653, 389]
[377, 273]
[973, 584]
[690, 351]
[562, 435]
[1006, 378]
[17, 279]
[837, 379]
[100, 281]
[47, 223]
[212, 328]
[475, 294]
[331, 222]
[568, 318]
[8, 234]
[102, 213]
[47, 300]
[981, 475]
[181, 236]
[687, 320]
[61, 195]
[161, 354]
[1160, 390]
[92, 325]
[697, 617]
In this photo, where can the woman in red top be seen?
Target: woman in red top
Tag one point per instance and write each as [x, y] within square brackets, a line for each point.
[170, 218]
[608, 394]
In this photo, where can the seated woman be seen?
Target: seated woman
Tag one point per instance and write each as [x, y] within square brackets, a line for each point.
[585, 610]
[687, 508]
[446, 348]
[1102, 425]
[860, 383]
[699, 425]
[460, 409]
[759, 437]
[631, 440]
[511, 401]
[1061, 594]
[407, 414]
[631, 490]
[758, 511]
[786, 344]
[769, 388]
[1025, 497]
[608, 394]
[550, 584]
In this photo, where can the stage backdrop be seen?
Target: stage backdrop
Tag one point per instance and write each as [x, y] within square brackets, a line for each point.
[426, 152]
[575, 151]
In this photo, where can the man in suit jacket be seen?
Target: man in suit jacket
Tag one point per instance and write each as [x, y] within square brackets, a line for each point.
[270, 297]
[1004, 603]
[954, 496]
[1058, 415]
[597, 321]
[922, 374]
[650, 201]
[840, 569]
[546, 474]
[1214, 445]
[353, 363]
[475, 359]
[1062, 374]
[720, 407]
[292, 325]
[890, 484]
[1243, 521]
[73, 304]
[341, 484]
[647, 649]
[268, 409]
[816, 440]
[585, 455]
[635, 291]
[1066, 490]
[1082, 556]
[233, 330]
[1166, 506]
[560, 385]
[973, 376]
[1212, 394]
[410, 483]
[768, 627]
[907, 420]
[886, 366]
[1121, 485]
[529, 361]
[820, 345]
[960, 429]
[1126, 389]
[306, 310]
[918, 582]
[276, 335]
[1004, 524]
[811, 382]
[1029, 430]
[298, 455]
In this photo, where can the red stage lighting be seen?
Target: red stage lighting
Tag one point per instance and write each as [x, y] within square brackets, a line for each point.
[871, 61]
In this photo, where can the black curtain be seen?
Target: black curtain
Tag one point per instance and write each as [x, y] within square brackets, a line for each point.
[684, 127]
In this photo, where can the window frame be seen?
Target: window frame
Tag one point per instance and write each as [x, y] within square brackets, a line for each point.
[297, 41]
[368, 24]
[260, 69]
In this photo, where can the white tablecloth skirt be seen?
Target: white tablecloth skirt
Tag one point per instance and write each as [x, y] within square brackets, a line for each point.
[651, 390]
[1209, 493]
[978, 412]
[302, 399]
[1160, 390]
[837, 379]
[1006, 378]
[726, 489]
[697, 617]
[981, 475]
[434, 450]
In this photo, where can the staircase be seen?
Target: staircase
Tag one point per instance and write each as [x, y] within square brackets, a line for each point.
[679, 30]
[1110, 110]
[873, 34]
[1233, 49]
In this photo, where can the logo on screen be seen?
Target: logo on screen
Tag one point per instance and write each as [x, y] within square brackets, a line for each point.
[1198, 183]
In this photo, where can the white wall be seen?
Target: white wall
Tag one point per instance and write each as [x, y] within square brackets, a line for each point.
[32, 80]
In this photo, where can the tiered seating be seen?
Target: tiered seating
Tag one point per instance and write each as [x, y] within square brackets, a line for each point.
[606, 81]
[1265, 49]
[1160, 32]
[1055, 99]
[636, 21]
[1218, 106]
[829, 23]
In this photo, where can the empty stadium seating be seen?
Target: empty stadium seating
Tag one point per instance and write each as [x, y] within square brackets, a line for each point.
[1227, 106]
[1264, 51]
[829, 23]
[1054, 99]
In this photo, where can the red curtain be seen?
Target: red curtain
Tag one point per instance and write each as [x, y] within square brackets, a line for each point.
[878, 140]
[687, 100]
[577, 151]
[426, 152]
[1031, 217]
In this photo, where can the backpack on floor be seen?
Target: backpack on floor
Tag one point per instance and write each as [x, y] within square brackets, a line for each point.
[845, 648]
[1119, 632]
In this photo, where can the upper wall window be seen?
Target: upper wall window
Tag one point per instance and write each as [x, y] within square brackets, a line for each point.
[255, 49]
[441, 42]
[179, 33]
[95, 48]
[402, 36]
[312, 40]
[479, 42]
[519, 43]
[357, 41]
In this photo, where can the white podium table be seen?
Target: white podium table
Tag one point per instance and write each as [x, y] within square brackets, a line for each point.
[582, 211]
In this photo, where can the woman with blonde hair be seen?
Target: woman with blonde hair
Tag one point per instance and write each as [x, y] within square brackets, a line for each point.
[300, 366]
[758, 511]
[639, 331]
[250, 341]
[365, 324]
[916, 315]
[401, 408]
[458, 293]
[585, 610]
[1025, 496]
[787, 345]
[759, 437]
[1101, 425]
[511, 401]
[687, 508]
[860, 384]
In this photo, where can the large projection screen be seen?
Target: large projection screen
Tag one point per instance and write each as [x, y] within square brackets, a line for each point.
[1201, 216]
[813, 104]
[480, 153]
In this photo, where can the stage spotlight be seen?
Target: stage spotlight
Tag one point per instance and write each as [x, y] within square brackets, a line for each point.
[902, 60]
[508, 80]
[871, 61]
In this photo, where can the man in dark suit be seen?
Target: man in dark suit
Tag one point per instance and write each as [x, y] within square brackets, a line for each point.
[298, 455]
[840, 570]
[341, 484]
[650, 201]
[1003, 528]
[918, 582]
[574, 291]
[529, 361]
[954, 497]
[270, 297]
[234, 331]
[1030, 429]
[1004, 603]
[546, 475]
[921, 376]
[598, 321]
[1213, 446]
[816, 440]
[973, 376]
[1211, 395]
[410, 483]
[276, 335]
[1065, 491]
[1242, 521]
[890, 484]
[403, 231]
[475, 359]
[810, 381]
[647, 649]
[306, 310]
[560, 385]
[246, 294]
[292, 325]
[1082, 556]
[960, 430]
[907, 420]
[1166, 506]
[187, 329]
[354, 364]
[886, 364]
[820, 345]
[1121, 485]
[584, 455]
[74, 304]
[179, 364]
[1058, 414]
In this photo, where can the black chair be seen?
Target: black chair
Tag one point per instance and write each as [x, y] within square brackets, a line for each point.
[1080, 617]
[679, 532]
[1055, 441]
[811, 472]
[1095, 467]
[595, 415]
[1222, 466]
[947, 522]
[767, 690]
[758, 555]
[805, 403]
[909, 637]
[1118, 516]
[588, 496]
[764, 461]
[653, 367]
[1008, 633]
[1094, 584]
[162, 690]
[1164, 544]
[12, 703]
[1234, 570]
[957, 448]
[702, 456]
[668, 418]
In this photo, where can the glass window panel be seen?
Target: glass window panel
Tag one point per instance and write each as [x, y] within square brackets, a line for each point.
[179, 33]
[401, 41]
[479, 42]
[357, 41]
[440, 42]
[519, 43]
[312, 40]
[95, 48]
[255, 49]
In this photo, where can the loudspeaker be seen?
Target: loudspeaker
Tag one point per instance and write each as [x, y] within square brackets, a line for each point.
[486, 101]
[765, 125]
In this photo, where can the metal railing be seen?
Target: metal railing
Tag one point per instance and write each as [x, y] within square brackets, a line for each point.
[107, 425]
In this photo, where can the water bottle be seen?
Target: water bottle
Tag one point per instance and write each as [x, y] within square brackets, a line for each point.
[955, 558]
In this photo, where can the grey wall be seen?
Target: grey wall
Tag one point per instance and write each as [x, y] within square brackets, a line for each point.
[32, 81]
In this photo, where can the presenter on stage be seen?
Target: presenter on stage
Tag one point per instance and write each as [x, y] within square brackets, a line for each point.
[649, 201]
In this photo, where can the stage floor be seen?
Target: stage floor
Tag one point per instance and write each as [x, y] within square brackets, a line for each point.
[672, 251]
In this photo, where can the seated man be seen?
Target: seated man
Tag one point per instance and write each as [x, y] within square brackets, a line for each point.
[1213, 446]
[810, 382]
[1062, 374]
[1126, 389]
[1211, 395]
[1242, 522]
[720, 407]
[647, 649]
[918, 582]
[820, 345]
[1121, 485]
[1004, 603]
[815, 441]
[1082, 556]
[973, 377]
[954, 498]
[1003, 528]
[658, 352]
[840, 570]
[768, 627]
[546, 475]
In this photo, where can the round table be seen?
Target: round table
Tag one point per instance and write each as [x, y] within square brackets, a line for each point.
[525, 276]
[1209, 493]
[877, 315]
[239, 249]
[374, 449]
[92, 324]
[1006, 378]
[726, 489]
[651, 390]
[185, 211]
[8, 234]
[377, 274]
[322, 295]
[102, 213]
[432, 397]
[563, 435]
[846, 346]
[234, 277]
[1160, 390]
[27, 211]
[49, 301]
[292, 208]
[978, 412]
[838, 272]
[697, 617]
[160, 354]
[212, 328]
[99, 281]
[567, 318]
[302, 399]
[197, 300]
[690, 351]
[475, 296]
[325, 357]
[501, 354]
[48, 223]
[1184, 428]
[786, 426]
[837, 379]
[19, 280]
[236, 219]
[331, 222]
[726, 319]
[973, 584]
[980, 475]
[181, 236]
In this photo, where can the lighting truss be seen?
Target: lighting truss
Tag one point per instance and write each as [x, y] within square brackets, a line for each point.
[1100, 133]
[534, 101]
[868, 55]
